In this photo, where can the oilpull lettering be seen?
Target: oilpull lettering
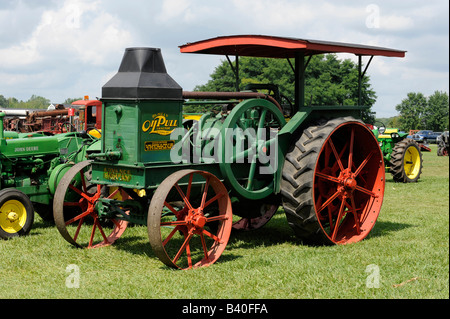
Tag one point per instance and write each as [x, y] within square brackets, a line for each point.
[199, 309]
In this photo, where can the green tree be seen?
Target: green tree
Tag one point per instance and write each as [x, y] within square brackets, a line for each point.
[3, 102]
[418, 112]
[412, 110]
[328, 80]
[37, 102]
[437, 112]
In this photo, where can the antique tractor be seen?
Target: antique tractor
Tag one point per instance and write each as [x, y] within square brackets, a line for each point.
[184, 179]
[31, 166]
[443, 144]
[402, 155]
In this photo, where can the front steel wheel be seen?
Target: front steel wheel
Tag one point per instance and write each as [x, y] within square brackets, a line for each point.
[75, 210]
[333, 182]
[189, 219]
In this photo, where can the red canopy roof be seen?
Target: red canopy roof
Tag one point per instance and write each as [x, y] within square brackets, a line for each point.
[279, 47]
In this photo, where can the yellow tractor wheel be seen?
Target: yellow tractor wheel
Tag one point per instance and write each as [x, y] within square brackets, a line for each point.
[406, 161]
[16, 213]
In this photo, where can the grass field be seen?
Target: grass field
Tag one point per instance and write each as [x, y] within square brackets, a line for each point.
[406, 256]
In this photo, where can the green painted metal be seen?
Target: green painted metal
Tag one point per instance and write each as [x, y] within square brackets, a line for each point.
[387, 141]
[250, 114]
[34, 163]
[140, 130]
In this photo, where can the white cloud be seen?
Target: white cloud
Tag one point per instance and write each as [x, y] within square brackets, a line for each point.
[61, 49]
[77, 31]
[172, 9]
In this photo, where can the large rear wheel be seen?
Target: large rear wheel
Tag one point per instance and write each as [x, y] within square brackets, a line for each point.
[333, 182]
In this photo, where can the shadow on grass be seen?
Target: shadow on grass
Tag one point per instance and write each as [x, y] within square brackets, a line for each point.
[383, 228]
[276, 232]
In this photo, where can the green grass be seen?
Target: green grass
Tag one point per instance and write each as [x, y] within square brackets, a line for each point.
[409, 246]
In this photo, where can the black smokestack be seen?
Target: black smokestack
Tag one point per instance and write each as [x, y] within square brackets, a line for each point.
[142, 75]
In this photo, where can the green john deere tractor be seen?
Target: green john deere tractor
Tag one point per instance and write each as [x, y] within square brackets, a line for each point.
[31, 167]
[402, 155]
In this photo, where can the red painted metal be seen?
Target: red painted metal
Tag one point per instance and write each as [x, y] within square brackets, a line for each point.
[348, 184]
[74, 213]
[280, 47]
[196, 239]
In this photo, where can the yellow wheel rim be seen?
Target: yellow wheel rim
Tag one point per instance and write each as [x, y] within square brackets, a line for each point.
[411, 162]
[13, 216]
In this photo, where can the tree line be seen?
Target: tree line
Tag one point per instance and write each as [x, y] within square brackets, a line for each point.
[34, 102]
[328, 80]
[420, 112]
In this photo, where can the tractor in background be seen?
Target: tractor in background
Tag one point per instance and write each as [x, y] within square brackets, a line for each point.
[402, 155]
[443, 144]
[31, 167]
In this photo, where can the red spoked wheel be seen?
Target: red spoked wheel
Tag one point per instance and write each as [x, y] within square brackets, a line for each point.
[333, 182]
[75, 211]
[189, 219]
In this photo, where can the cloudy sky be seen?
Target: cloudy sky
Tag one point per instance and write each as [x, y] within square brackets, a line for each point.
[70, 48]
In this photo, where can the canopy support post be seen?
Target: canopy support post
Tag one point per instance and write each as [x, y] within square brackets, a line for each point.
[299, 80]
[360, 76]
[235, 71]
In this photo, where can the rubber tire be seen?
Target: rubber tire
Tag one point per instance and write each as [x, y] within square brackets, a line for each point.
[14, 194]
[396, 166]
[298, 181]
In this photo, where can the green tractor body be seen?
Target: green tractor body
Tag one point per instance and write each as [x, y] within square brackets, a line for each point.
[31, 166]
[402, 155]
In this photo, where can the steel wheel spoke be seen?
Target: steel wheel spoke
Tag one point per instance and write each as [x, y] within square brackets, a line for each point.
[207, 233]
[78, 229]
[216, 218]
[205, 250]
[170, 235]
[328, 177]
[174, 223]
[186, 201]
[218, 196]
[366, 191]
[83, 181]
[82, 215]
[350, 152]
[357, 222]
[366, 160]
[188, 254]
[188, 192]
[336, 155]
[328, 201]
[171, 208]
[205, 192]
[341, 210]
[79, 192]
[182, 248]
